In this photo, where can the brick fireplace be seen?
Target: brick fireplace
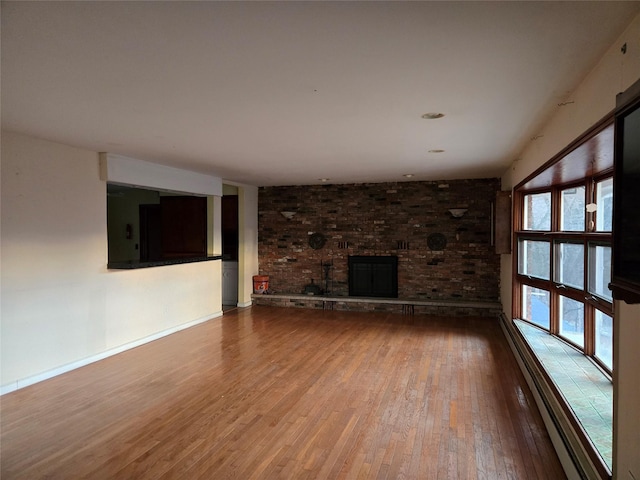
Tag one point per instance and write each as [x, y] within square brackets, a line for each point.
[387, 219]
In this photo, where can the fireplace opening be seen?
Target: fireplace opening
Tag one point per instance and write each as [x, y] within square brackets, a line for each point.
[373, 276]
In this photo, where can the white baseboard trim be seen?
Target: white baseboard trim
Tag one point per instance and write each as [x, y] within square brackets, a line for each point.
[25, 382]
[245, 304]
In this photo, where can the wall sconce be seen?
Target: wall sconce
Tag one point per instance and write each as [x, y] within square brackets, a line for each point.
[457, 212]
[288, 215]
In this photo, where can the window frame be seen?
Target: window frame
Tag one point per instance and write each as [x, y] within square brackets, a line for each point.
[596, 243]
[589, 236]
[539, 239]
[556, 261]
[560, 209]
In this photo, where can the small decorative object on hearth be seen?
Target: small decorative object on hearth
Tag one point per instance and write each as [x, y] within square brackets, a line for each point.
[326, 275]
[312, 289]
[260, 284]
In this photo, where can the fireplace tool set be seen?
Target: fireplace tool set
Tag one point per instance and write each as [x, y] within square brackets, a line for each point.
[327, 280]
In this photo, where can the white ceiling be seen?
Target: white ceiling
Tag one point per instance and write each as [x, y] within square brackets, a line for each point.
[284, 93]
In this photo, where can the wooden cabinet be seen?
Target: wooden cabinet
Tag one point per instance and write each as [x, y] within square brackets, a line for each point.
[502, 222]
[229, 283]
[184, 226]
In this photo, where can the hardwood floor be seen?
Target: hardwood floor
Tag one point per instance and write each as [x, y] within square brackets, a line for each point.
[277, 393]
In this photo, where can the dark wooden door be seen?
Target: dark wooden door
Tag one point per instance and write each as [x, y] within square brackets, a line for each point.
[230, 227]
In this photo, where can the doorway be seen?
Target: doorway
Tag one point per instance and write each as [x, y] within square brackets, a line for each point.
[230, 227]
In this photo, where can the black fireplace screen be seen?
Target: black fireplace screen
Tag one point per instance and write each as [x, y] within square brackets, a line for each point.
[373, 276]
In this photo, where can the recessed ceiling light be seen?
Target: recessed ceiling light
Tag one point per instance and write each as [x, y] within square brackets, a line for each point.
[408, 175]
[432, 115]
[324, 180]
[437, 150]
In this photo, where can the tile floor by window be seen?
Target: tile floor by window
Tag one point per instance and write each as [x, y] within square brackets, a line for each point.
[587, 389]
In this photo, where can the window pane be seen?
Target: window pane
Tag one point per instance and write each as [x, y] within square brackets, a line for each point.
[535, 306]
[604, 201]
[573, 209]
[537, 211]
[572, 320]
[604, 338]
[600, 270]
[570, 264]
[533, 258]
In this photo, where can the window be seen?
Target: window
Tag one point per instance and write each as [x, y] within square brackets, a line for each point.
[570, 264]
[533, 258]
[604, 338]
[536, 306]
[563, 239]
[537, 211]
[571, 314]
[604, 201]
[600, 270]
[562, 219]
[572, 209]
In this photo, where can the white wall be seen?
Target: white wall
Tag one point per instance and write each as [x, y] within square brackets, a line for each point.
[61, 307]
[248, 242]
[594, 98]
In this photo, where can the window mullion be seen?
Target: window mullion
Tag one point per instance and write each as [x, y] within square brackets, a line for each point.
[553, 299]
[590, 217]
[555, 305]
[589, 330]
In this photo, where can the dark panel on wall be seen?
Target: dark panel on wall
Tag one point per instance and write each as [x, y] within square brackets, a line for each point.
[503, 222]
[230, 227]
[625, 281]
[184, 226]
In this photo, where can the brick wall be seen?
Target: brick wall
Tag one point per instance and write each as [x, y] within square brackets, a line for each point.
[383, 219]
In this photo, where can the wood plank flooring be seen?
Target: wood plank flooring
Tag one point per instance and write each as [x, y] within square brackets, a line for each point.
[284, 393]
